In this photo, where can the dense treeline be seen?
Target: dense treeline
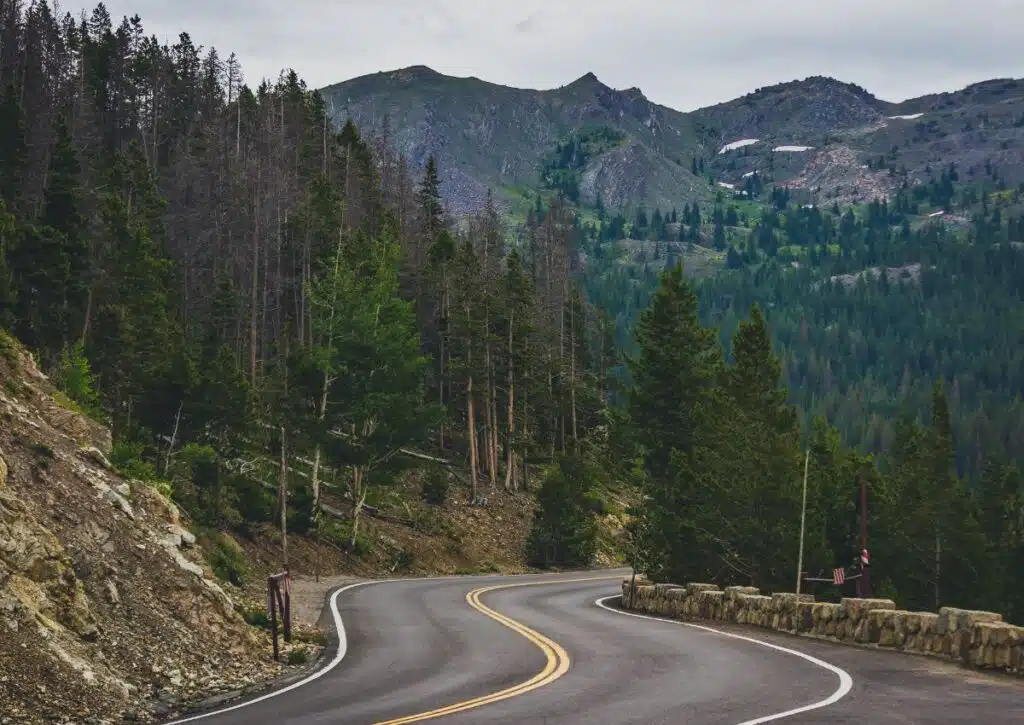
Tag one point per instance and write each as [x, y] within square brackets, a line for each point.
[268, 311]
[859, 350]
[859, 346]
[723, 466]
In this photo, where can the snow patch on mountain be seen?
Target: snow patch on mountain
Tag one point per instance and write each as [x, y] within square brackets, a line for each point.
[738, 144]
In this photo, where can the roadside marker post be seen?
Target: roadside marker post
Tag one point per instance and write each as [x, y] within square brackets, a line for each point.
[279, 599]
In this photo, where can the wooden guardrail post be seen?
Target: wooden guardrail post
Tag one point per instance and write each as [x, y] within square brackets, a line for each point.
[279, 599]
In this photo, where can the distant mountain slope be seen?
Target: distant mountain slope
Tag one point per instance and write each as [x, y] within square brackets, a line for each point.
[490, 135]
[835, 140]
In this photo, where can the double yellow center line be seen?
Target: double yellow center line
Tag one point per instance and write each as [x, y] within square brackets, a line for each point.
[557, 659]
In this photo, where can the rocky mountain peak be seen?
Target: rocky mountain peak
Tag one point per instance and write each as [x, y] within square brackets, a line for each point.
[587, 79]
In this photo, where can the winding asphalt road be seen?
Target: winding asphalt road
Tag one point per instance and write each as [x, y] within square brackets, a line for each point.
[554, 649]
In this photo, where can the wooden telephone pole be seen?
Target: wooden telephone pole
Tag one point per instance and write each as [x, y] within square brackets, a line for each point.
[864, 582]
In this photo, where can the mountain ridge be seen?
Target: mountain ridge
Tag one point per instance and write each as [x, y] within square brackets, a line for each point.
[819, 134]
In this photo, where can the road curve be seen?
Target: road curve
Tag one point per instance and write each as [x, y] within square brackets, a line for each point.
[540, 649]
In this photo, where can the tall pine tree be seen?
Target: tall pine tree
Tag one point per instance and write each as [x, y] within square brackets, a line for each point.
[674, 378]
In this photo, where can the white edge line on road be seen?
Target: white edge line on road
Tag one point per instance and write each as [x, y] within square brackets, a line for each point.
[338, 657]
[845, 681]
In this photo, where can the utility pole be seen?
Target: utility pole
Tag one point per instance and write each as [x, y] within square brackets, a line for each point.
[803, 522]
[864, 582]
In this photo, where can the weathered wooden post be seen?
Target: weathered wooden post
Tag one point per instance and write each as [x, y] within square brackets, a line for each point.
[272, 603]
[280, 601]
[287, 608]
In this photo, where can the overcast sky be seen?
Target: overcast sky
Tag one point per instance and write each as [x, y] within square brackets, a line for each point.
[681, 53]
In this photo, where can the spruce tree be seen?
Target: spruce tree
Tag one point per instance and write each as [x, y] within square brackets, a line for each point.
[369, 350]
[63, 220]
[8, 292]
[12, 148]
[670, 403]
[1002, 507]
[759, 497]
[517, 327]
[135, 344]
[564, 532]
[958, 539]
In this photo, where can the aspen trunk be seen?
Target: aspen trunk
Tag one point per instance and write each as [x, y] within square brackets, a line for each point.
[358, 499]
[555, 417]
[88, 316]
[524, 451]
[471, 425]
[441, 336]
[495, 455]
[282, 496]
[489, 412]
[572, 371]
[511, 419]
[322, 408]
[253, 306]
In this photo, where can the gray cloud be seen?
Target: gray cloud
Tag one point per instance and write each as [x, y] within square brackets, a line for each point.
[526, 24]
[683, 55]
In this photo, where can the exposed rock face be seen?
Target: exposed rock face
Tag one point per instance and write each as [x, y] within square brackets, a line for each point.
[979, 639]
[106, 604]
[486, 135]
[905, 274]
[837, 174]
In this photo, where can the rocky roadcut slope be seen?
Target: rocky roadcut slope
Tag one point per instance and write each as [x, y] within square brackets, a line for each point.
[106, 605]
[818, 134]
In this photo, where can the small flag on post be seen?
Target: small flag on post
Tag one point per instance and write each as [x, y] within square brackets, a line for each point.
[838, 576]
[864, 557]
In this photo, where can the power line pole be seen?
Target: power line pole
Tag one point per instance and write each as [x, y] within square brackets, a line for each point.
[864, 582]
[803, 522]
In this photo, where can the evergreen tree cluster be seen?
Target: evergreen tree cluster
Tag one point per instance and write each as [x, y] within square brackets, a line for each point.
[267, 311]
[869, 305]
[722, 458]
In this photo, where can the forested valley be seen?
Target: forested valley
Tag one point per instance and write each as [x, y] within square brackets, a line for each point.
[271, 312]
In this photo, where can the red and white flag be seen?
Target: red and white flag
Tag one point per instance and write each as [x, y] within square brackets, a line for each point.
[838, 576]
[864, 557]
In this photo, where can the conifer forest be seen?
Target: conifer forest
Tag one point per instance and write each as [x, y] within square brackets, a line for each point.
[244, 290]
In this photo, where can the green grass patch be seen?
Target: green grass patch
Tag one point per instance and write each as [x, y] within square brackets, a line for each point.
[256, 616]
[225, 556]
[8, 347]
[484, 567]
[128, 461]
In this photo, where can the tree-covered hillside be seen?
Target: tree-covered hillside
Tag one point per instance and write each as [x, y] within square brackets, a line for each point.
[867, 306]
[278, 319]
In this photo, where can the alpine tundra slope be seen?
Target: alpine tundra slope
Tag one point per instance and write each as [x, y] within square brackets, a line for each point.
[555, 649]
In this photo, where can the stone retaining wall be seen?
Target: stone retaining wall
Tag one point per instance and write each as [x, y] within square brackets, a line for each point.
[977, 639]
